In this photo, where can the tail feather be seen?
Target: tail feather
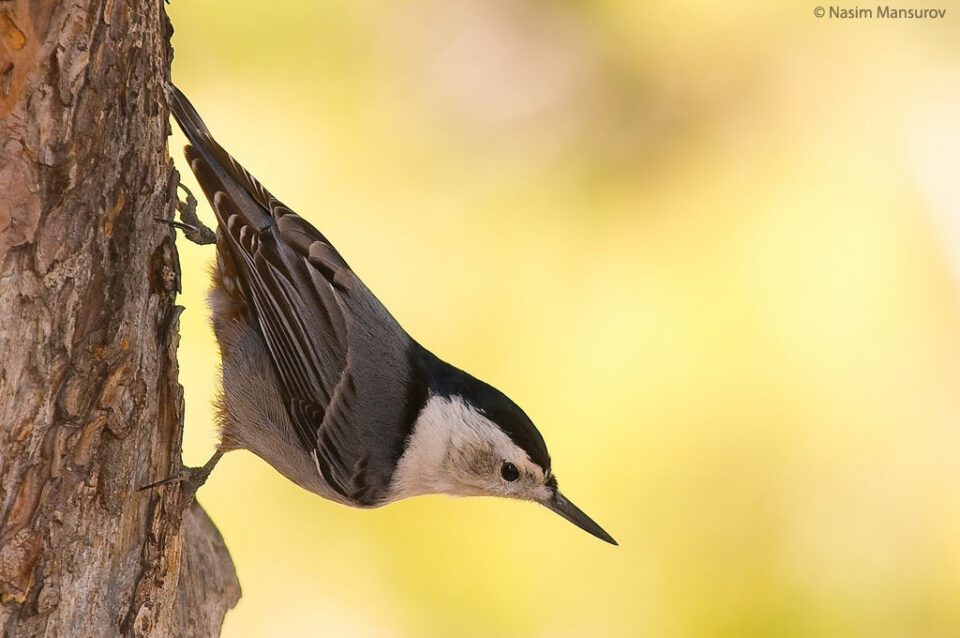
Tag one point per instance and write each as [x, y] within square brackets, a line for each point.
[208, 178]
[242, 195]
[187, 117]
[217, 170]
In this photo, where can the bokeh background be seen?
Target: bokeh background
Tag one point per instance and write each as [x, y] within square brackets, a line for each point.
[712, 248]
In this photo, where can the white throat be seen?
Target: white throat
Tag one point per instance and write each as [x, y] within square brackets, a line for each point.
[428, 466]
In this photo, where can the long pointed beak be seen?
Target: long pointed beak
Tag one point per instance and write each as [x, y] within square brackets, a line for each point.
[559, 504]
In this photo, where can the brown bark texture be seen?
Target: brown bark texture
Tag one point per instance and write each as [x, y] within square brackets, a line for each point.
[90, 406]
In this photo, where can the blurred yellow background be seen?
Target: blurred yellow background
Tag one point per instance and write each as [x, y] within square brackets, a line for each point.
[711, 248]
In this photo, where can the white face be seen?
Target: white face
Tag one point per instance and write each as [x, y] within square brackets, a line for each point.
[454, 449]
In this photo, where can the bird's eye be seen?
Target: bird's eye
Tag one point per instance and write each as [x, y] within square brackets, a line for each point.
[509, 471]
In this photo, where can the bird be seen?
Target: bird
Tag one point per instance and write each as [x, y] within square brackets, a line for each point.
[320, 380]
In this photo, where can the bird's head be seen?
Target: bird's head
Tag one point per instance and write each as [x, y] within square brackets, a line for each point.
[470, 439]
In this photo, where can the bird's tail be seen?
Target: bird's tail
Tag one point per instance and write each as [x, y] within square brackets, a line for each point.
[187, 117]
[216, 170]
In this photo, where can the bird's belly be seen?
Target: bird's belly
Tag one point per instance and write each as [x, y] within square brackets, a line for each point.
[254, 417]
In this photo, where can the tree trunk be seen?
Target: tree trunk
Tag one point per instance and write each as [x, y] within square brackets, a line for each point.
[90, 407]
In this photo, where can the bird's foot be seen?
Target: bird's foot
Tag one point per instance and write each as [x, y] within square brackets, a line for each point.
[193, 229]
[190, 478]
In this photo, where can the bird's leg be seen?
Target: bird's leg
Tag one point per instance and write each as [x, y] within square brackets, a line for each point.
[199, 475]
[191, 477]
[193, 229]
[198, 232]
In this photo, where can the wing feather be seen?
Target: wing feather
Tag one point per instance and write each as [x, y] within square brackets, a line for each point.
[326, 334]
[291, 300]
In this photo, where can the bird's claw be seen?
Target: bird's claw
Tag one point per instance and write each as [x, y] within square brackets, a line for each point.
[193, 229]
[191, 479]
[184, 475]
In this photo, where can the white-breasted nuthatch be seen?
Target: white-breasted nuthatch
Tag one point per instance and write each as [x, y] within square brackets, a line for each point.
[321, 382]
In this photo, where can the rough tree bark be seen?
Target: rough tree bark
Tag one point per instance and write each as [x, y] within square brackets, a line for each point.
[90, 407]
